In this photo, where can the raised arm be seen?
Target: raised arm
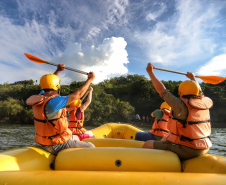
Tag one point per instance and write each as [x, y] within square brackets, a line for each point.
[81, 91]
[159, 86]
[191, 76]
[88, 101]
[60, 68]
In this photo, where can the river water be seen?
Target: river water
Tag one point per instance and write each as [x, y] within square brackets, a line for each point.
[15, 136]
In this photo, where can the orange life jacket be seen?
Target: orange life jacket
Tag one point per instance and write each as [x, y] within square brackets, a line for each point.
[75, 125]
[193, 132]
[48, 132]
[159, 127]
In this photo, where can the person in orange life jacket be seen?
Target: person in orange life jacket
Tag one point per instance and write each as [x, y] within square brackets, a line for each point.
[189, 121]
[159, 127]
[76, 118]
[50, 115]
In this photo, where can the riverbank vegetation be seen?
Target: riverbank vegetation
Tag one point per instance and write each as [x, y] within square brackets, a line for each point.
[118, 99]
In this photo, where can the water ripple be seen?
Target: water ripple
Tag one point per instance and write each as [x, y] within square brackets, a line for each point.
[16, 136]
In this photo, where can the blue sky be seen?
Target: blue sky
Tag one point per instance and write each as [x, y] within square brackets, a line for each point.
[112, 37]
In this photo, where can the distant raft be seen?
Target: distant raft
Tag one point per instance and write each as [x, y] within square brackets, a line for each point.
[117, 159]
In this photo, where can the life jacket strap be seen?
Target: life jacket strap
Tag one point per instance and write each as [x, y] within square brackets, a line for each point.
[163, 120]
[49, 137]
[182, 138]
[73, 121]
[160, 130]
[45, 121]
[50, 121]
[197, 122]
[183, 122]
[39, 120]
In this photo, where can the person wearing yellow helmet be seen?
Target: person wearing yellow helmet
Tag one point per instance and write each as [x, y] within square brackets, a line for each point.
[76, 118]
[50, 82]
[50, 115]
[189, 121]
[165, 105]
[159, 127]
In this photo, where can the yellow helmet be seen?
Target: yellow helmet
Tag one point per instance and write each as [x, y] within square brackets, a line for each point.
[50, 81]
[188, 87]
[76, 103]
[164, 105]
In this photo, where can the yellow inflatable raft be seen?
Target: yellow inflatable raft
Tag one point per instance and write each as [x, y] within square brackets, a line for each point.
[115, 160]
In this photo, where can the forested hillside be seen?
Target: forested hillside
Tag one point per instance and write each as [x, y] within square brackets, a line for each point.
[114, 100]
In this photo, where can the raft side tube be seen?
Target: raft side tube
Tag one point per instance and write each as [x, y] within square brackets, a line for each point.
[117, 159]
[26, 158]
[207, 163]
[109, 142]
[109, 178]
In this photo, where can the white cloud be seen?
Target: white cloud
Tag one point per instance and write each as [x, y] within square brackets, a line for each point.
[182, 38]
[116, 11]
[106, 60]
[111, 16]
[46, 38]
[153, 30]
[214, 67]
[15, 40]
[152, 16]
[94, 32]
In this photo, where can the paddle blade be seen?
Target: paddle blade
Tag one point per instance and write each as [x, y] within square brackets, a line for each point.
[35, 59]
[212, 79]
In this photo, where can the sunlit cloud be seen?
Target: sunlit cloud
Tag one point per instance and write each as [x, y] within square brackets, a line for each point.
[214, 67]
[105, 60]
[48, 31]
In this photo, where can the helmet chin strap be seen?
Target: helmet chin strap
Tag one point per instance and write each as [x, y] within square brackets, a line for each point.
[59, 91]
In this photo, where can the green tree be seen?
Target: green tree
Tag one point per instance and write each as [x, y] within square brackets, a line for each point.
[114, 100]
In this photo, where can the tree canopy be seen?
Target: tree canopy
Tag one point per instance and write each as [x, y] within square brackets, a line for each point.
[114, 100]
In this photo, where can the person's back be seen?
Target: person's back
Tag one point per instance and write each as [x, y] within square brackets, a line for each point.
[193, 132]
[76, 117]
[159, 127]
[50, 126]
[189, 123]
[49, 108]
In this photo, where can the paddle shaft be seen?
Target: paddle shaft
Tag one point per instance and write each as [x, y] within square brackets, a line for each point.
[208, 79]
[71, 69]
[169, 70]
